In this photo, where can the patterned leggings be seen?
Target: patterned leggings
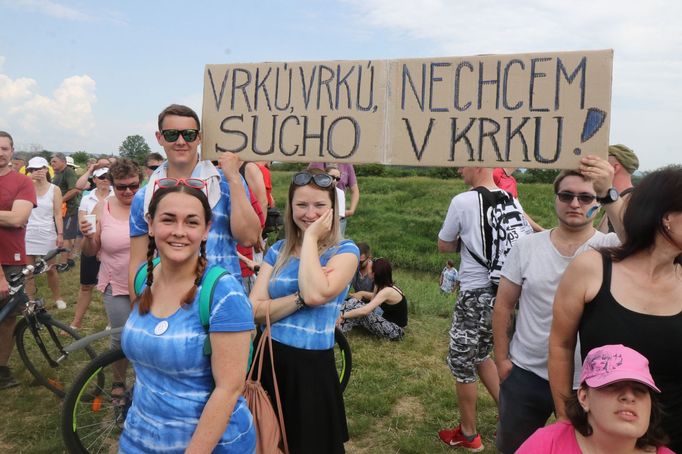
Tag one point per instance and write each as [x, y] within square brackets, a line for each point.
[374, 323]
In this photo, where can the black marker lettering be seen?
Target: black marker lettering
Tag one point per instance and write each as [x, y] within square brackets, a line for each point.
[242, 87]
[330, 139]
[458, 71]
[455, 137]
[218, 99]
[408, 78]
[433, 79]
[505, 81]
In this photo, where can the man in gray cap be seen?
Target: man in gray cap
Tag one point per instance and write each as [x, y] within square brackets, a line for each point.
[624, 162]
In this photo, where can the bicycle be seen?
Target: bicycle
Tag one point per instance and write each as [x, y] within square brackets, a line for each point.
[39, 337]
[91, 419]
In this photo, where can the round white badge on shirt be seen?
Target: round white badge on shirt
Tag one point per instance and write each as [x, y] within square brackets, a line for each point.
[161, 327]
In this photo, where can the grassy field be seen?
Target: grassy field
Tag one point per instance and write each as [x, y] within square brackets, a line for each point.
[400, 394]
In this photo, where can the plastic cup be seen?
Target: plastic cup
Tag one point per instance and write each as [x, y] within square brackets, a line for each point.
[92, 219]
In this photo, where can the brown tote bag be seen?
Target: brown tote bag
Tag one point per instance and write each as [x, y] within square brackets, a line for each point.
[271, 437]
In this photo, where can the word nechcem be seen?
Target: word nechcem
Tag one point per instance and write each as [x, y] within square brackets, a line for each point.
[444, 87]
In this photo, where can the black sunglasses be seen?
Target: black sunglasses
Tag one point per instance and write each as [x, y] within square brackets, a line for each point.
[320, 179]
[156, 167]
[131, 186]
[584, 199]
[104, 176]
[171, 135]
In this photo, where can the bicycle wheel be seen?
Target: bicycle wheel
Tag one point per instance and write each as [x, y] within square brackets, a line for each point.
[92, 418]
[40, 343]
[343, 357]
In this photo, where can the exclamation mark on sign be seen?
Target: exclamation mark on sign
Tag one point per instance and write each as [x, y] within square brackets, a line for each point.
[594, 120]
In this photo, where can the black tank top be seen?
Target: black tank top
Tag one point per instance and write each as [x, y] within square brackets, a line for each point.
[657, 337]
[396, 313]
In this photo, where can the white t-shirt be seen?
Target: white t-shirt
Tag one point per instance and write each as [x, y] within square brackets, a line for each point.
[90, 200]
[536, 265]
[464, 220]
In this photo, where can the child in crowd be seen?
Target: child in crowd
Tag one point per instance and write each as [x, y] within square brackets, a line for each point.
[449, 278]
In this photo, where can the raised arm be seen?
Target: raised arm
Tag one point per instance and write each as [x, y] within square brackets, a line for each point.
[244, 222]
[57, 215]
[318, 285]
[508, 294]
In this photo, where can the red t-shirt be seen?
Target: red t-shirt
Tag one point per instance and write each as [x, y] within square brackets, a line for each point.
[268, 183]
[14, 186]
[248, 251]
[505, 182]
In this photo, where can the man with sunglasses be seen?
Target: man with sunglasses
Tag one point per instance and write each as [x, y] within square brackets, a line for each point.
[234, 220]
[530, 277]
[151, 163]
[17, 199]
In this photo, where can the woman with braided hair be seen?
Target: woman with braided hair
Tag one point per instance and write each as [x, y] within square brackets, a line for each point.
[186, 400]
[109, 239]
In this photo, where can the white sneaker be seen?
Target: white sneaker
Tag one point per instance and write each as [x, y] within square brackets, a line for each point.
[61, 304]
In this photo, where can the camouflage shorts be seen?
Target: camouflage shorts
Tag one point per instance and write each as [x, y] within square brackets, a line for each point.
[471, 334]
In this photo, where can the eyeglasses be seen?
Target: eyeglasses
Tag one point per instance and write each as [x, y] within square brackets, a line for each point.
[194, 183]
[584, 199]
[320, 179]
[123, 187]
[171, 135]
[156, 167]
[104, 176]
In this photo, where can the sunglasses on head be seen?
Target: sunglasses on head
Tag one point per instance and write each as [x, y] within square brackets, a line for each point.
[320, 179]
[195, 183]
[171, 135]
[123, 187]
[583, 199]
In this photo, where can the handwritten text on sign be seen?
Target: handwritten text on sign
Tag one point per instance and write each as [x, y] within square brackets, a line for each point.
[529, 110]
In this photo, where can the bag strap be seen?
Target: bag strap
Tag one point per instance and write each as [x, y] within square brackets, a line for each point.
[208, 286]
[141, 275]
[266, 337]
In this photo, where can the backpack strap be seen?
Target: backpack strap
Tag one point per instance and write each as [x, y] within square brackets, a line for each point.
[141, 276]
[208, 285]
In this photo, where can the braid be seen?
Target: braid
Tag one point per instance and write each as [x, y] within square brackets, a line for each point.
[146, 298]
[201, 267]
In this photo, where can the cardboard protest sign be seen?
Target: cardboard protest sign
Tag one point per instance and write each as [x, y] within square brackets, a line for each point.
[541, 110]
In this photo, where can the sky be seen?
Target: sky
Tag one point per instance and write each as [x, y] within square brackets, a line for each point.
[79, 75]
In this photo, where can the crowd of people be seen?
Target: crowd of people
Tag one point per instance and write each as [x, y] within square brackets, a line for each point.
[583, 323]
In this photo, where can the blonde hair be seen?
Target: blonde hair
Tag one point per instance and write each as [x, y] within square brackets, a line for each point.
[293, 236]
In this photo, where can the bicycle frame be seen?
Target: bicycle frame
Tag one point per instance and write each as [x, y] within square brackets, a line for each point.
[87, 340]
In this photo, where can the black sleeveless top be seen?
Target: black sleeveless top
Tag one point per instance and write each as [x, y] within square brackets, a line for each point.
[657, 337]
[396, 313]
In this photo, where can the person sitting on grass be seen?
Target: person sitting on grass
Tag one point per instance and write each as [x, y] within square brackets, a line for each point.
[614, 410]
[386, 313]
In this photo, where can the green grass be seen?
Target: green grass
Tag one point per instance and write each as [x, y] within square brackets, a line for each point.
[400, 393]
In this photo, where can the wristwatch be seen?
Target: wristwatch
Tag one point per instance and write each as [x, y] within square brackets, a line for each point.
[610, 197]
[300, 302]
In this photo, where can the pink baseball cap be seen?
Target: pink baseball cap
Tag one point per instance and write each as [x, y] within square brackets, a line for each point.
[613, 363]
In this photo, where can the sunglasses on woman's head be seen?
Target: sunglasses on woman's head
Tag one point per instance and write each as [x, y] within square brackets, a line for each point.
[320, 179]
[194, 183]
[171, 135]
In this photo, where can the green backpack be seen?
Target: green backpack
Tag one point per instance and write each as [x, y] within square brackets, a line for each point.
[211, 277]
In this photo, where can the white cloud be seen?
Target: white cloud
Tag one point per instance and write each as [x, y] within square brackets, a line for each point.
[51, 8]
[59, 120]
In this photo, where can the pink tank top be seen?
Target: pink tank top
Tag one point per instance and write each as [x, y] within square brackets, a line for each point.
[114, 253]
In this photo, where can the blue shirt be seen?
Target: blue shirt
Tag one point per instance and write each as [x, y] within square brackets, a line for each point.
[311, 328]
[173, 378]
[221, 248]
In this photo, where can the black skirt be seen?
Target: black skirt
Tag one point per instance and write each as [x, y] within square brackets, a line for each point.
[312, 401]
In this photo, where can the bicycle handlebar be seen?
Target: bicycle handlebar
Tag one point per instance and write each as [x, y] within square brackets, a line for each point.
[53, 253]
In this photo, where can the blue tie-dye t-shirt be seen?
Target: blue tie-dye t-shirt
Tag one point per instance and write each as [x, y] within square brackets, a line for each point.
[311, 328]
[173, 378]
[221, 248]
